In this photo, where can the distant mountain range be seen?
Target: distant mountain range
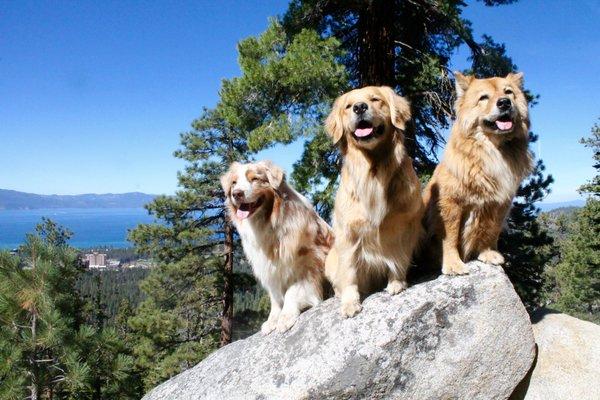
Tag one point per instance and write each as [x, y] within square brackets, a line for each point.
[13, 200]
[564, 204]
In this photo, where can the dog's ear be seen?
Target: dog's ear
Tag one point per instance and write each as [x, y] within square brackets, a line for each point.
[275, 174]
[461, 82]
[334, 125]
[517, 79]
[399, 107]
[227, 177]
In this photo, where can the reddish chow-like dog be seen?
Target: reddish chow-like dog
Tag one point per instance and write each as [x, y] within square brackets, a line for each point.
[487, 157]
[284, 239]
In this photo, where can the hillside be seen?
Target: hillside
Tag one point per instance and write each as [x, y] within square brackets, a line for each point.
[564, 204]
[559, 221]
[13, 200]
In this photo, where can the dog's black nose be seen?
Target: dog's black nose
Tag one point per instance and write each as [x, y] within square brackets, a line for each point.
[503, 103]
[238, 194]
[360, 108]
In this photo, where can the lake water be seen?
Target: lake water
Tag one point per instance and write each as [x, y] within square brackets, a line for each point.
[93, 227]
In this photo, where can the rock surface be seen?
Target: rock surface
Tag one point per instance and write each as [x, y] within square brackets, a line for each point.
[462, 337]
[568, 361]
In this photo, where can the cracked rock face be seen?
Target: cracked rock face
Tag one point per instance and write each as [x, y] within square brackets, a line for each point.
[460, 337]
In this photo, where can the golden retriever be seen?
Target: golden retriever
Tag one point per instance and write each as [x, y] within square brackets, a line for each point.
[378, 209]
[284, 239]
[487, 157]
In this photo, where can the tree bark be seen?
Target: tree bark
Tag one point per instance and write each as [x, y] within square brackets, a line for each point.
[35, 384]
[34, 387]
[227, 297]
[376, 48]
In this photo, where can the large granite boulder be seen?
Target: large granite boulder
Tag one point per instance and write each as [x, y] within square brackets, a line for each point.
[460, 337]
[568, 360]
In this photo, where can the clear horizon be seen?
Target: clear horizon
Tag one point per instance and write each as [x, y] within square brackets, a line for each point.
[94, 96]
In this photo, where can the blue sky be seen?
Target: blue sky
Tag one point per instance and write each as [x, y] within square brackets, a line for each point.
[93, 95]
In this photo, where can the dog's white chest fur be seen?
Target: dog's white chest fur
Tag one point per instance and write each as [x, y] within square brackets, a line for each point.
[268, 269]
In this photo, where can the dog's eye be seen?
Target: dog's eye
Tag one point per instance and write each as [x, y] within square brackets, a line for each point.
[348, 106]
[508, 91]
[374, 99]
[233, 183]
[483, 97]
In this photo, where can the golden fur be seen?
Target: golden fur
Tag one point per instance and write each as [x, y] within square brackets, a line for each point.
[378, 209]
[487, 157]
[284, 239]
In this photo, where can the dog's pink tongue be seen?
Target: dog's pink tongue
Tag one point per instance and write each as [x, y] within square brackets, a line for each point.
[362, 132]
[241, 214]
[504, 125]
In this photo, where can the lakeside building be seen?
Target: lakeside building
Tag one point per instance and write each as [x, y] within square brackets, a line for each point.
[100, 261]
[95, 260]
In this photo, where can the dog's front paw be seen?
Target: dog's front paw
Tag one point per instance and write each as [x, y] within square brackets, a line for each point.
[395, 287]
[455, 267]
[350, 308]
[268, 326]
[286, 321]
[491, 257]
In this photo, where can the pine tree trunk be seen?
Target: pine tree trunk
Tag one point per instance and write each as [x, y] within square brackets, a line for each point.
[227, 299]
[34, 387]
[376, 58]
[35, 384]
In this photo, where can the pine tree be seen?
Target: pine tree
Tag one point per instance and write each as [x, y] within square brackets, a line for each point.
[46, 348]
[110, 365]
[576, 278]
[189, 305]
[593, 142]
[525, 242]
[190, 289]
[38, 316]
